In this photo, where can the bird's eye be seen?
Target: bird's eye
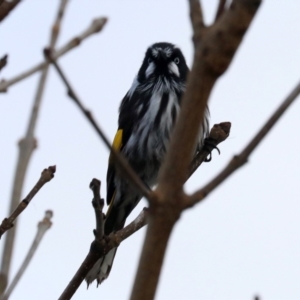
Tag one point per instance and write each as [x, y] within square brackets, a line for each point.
[176, 60]
[149, 60]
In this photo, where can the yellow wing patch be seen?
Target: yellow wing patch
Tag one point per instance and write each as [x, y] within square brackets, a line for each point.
[117, 143]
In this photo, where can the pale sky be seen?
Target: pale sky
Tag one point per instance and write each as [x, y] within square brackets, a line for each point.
[243, 239]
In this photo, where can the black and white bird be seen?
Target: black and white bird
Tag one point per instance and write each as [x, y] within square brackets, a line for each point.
[147, 116]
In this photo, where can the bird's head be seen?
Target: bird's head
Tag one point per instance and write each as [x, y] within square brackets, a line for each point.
[163, 59]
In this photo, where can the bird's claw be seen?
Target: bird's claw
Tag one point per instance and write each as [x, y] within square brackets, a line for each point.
[209, 145]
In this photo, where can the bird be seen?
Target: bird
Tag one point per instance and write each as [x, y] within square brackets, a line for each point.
[147, 116]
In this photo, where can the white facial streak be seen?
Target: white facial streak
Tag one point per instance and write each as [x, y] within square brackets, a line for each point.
[150, 69]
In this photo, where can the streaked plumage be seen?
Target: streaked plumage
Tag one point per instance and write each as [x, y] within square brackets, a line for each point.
[147, 116]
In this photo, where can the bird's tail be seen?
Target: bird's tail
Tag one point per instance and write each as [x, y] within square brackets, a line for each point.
[114, 221]
[101, 268]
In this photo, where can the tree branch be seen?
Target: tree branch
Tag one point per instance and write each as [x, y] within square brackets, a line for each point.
[221, 9]
[95, 27]
[214, 49]
[114, 239]
[3, 61]
[46, 176]
[120, 160]
[98, 205]
[6, 7]
[43, 226]
[101, 244]
[196, 15]
[26, 147]
[239, 160]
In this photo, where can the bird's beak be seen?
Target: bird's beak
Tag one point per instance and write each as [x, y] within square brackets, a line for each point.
[162, 55]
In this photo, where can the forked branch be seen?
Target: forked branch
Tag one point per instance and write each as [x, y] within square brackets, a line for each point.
[239, 160]
[101, 244]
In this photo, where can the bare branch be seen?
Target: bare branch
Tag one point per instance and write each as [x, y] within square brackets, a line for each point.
[214, 49]
[6, 7]
[98, 205]
[212, 57]
[239, 160]
[196, 15]
[46, 176]
[95, 27]
[101, 245]
[120, 160]
[221, 9]
[26, 147]
[43, 226]
[3, 61]
[98, 249]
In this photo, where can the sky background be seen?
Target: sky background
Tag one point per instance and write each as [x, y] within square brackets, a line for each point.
[243, 240]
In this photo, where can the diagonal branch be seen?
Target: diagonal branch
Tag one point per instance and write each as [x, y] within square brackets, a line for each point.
[239, 160]
[101, 244]
[215, 47]
[43, 226]
[120, 160]
[26, 147]
[6, 7]
[95, 27]
[214, 50]
[46, 176]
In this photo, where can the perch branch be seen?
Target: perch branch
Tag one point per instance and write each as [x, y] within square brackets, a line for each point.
[239, 160]
[43, 226]
[100, 246]
[218, 133]
[46, 176]
[119, 158]
[26, 147]
[95, 27]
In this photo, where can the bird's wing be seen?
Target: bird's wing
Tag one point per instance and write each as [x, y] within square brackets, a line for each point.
[127, 118]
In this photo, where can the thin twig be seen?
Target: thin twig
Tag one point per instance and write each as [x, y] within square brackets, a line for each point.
[3, 61]
[95, 27]
[220, 10]
[43, 226]
[46, 176]
[239, 160]
[26, 147]
[98, 205]
[121, 162]
[6, 7]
